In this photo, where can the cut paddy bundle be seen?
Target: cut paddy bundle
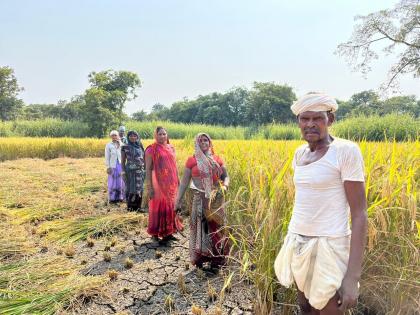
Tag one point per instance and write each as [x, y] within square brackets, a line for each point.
[77, 229]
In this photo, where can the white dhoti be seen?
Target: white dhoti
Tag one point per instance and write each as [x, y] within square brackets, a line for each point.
[316, 264]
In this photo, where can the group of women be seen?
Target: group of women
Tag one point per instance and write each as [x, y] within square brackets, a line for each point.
[129, 165]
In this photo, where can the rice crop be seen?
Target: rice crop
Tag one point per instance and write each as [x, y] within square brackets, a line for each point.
[260, 201]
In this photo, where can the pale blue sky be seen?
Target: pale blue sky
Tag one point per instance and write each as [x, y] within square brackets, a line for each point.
[183, 48]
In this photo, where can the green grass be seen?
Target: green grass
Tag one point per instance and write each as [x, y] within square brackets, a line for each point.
[373, 128]
[181, 131]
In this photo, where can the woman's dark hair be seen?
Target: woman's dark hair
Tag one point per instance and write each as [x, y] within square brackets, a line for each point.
[159, 128]
[133, 132]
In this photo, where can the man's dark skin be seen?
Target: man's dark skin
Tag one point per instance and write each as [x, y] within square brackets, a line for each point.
[314, 128]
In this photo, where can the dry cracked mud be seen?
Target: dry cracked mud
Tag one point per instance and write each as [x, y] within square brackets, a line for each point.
[160, 281]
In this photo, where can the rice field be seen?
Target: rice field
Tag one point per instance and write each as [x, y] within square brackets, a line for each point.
[53, 207]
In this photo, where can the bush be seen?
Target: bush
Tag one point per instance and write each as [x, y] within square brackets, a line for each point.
[181, 131]
[372, 128]
[375, 128]
[5, 128]
[49, 128]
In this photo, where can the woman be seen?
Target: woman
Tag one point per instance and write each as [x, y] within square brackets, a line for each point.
[162, 180]
[114, 169]
[132, 156]
[208, 243]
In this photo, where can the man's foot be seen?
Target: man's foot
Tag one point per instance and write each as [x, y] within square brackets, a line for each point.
[155, 239]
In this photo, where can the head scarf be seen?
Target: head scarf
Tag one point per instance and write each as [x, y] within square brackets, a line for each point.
[121, 129]
[206, 164]
[314, 102]
[114, 133]
[137, 144]
[156, 134]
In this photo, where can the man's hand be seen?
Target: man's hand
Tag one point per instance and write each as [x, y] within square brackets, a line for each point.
[348, 292]
[109, 171]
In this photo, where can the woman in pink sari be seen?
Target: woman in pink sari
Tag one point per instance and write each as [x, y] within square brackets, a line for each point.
[162, 179]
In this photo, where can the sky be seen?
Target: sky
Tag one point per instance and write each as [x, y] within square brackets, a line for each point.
[184, 48]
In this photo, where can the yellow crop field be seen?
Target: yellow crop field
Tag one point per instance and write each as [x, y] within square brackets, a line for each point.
[56, 226]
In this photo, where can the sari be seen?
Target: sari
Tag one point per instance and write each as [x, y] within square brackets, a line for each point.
[208, 242]
[115, 180]
[163, 220]
[116, 184]
[135, 172]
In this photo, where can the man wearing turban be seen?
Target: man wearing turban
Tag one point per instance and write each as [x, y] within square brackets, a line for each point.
[321, 254]
[121, 132]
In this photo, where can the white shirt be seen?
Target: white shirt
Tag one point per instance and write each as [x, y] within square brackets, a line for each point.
[112, 155]
[321, 207]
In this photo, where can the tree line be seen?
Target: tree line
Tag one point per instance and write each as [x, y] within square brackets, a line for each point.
[269, 103]
[101, 106]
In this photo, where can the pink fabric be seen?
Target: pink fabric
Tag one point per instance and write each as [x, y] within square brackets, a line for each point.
[195, 172]
[206, 164]
[163, 220]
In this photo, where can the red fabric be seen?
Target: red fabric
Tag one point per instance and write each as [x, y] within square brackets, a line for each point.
[163, 220]
[195, 172]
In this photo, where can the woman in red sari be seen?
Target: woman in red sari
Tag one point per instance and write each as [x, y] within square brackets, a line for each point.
[162, 179]
[206, 175]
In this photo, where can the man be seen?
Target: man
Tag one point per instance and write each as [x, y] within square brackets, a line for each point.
[121, 132]
[320, 252]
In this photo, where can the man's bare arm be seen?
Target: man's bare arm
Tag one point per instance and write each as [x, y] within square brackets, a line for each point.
[355, 193]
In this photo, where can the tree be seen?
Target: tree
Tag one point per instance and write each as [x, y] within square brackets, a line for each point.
[159, 112]
[98, 116]
[397, 28]
[344, 109]
[120, 87]
[235, 106]
[72, 110]
[39, 111]
[215, 108]
[183, 111]
[406, 104]
[140, 115]
[368, 103]
[10, 105]
[364, 103]
[270, 103]
[104, 101]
